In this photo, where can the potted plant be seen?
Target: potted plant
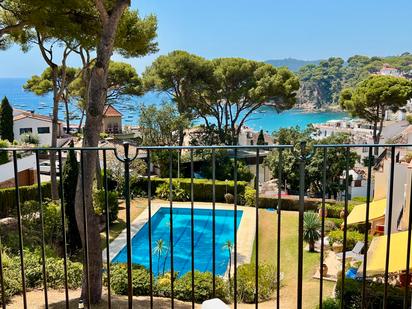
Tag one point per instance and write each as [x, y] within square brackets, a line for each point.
[322, 212]
[311, 229]
[324, 270]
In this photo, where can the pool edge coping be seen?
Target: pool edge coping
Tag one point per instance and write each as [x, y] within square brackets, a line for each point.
[245, 232]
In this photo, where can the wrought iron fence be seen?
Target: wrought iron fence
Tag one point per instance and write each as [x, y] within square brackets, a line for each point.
[303, 155]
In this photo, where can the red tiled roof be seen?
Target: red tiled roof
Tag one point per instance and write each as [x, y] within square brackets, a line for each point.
[110, 111]
[31, 115]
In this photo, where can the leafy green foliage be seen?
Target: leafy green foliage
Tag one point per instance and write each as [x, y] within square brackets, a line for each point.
[374, 296]
[203, 287]
[290, 164]
[352, 237]
[330, 303]
[203, 188]
[246, 282]
[34, 272]
[100, 205]
[322, 82]
[30, 138]
[69, 178]
[311, 229]
[4, 155]
[178, 193]
[160, 125]
[250, 196]
[6, 121]
[214, 89]
[224, 166]
[409, 118]
[373, 97]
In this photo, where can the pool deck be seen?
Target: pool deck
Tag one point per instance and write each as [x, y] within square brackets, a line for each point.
[245, 233]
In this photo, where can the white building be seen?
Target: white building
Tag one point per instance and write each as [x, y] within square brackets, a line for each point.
[28, 122]
[390, 71]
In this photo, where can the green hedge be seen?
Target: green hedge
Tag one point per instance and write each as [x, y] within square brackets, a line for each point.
[202, 188]
[27, 193]
[352, 294]
[352, 237]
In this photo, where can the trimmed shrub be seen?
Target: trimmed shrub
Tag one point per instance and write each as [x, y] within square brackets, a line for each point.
[330, 303]
[203, 287]
[34, 273]
[352, 294]
[202, 188]
[250, 197]
[4, 155]
[27, 193]
[352, 237]
[118, 279]
[334, 210]
[100, 205]
[30, 138]
[246, 282]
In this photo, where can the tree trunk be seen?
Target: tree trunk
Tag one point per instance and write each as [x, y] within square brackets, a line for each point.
[97, 92]
[66, 106]
[55, 128]
[311, 247]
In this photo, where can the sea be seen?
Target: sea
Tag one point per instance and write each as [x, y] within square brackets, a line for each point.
[265, 118]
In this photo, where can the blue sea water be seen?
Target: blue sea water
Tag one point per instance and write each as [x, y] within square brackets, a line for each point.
[265, 118]
[182, 251]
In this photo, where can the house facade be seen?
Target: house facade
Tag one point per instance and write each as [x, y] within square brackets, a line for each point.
[112, 120]
[28, 122]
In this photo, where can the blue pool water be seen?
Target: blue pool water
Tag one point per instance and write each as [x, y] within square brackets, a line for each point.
[182, 240]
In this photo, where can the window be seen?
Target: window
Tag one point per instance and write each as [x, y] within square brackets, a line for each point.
[26, 130]
[358, 183]
[43, 130]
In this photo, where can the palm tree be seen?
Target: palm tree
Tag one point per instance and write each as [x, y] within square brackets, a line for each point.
[229, 246]
[311, 227]
[158, 249]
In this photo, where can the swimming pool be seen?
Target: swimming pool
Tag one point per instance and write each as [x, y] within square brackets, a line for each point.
[203, 239]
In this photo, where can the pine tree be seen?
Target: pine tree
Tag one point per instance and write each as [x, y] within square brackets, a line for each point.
[6, 120]
[261, 138]
[69, 178]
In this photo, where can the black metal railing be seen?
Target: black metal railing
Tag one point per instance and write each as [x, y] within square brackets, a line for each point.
[301, 153]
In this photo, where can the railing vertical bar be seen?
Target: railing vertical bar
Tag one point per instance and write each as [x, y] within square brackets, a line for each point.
[3, 296]
[192, 226]
[171, 229]
[106, 202]
[322, 232]
[302, 162]
[345, 220]
[257, 231]
[63, 217]
[149, 208]
[235, 232]
[43, 252]
[389, 225]
[279, 228]
[85, 229]
[128, 225]
[408, 251]
[365, 253]
[214, 223]
[19, 222]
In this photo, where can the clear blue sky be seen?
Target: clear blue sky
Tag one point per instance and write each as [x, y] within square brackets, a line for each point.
[261, 30]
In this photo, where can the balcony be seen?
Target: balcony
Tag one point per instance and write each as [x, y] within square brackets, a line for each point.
[178, 241]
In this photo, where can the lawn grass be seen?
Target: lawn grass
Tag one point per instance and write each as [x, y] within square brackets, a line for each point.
[289, 258]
